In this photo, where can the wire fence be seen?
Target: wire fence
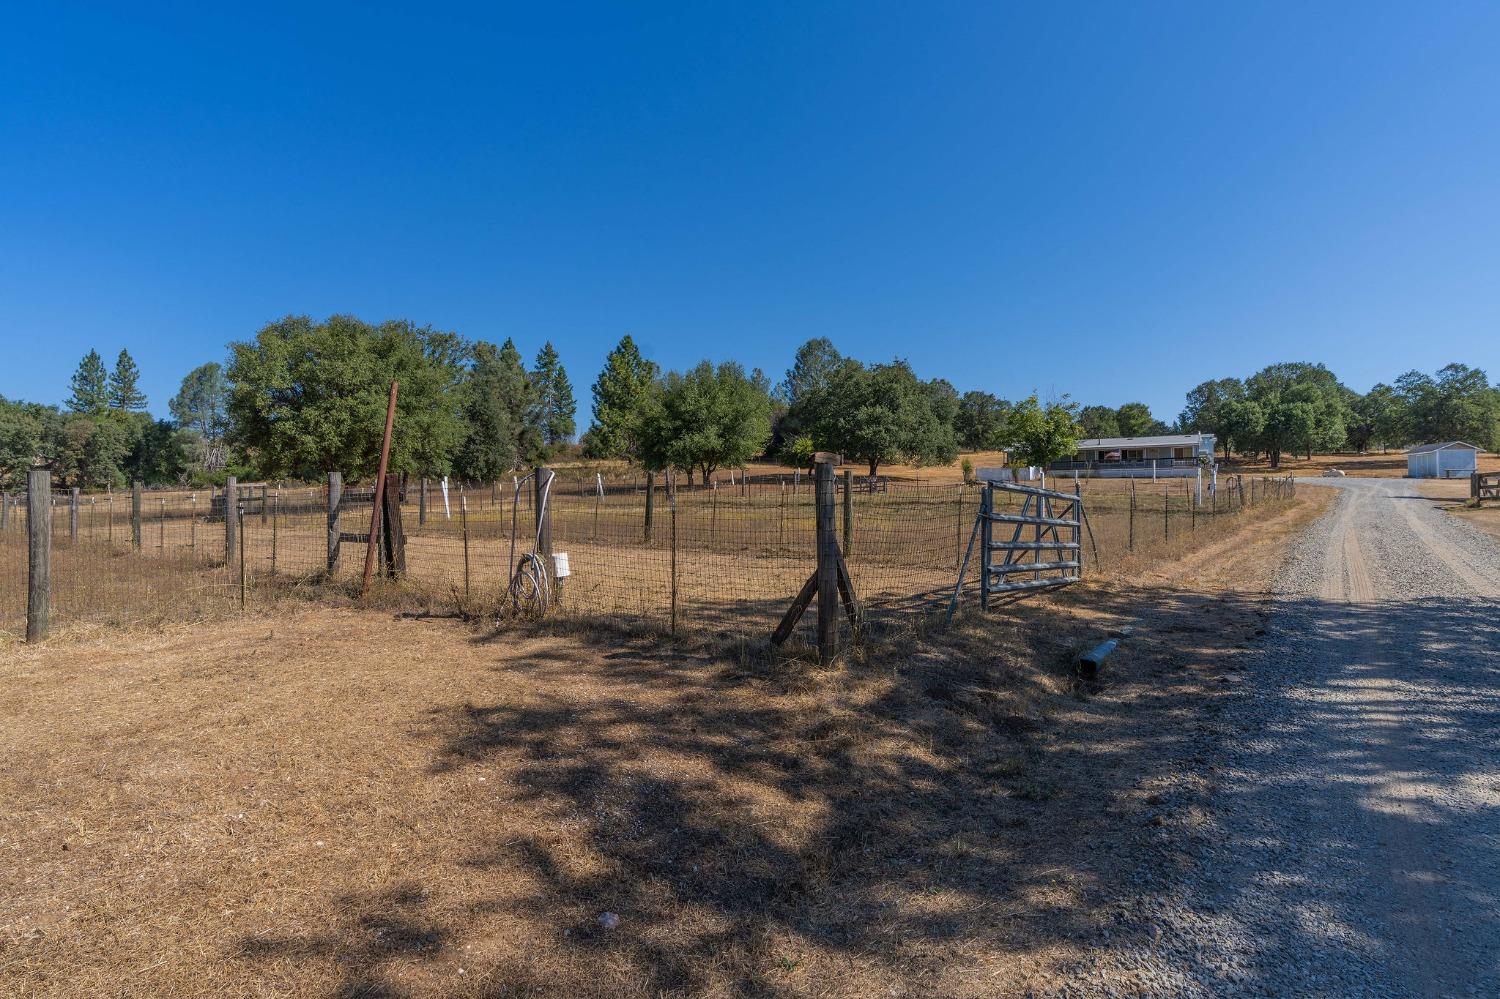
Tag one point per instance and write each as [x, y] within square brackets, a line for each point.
[716, 558]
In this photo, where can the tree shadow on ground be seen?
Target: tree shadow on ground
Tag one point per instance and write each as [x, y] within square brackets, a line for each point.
[923, 818]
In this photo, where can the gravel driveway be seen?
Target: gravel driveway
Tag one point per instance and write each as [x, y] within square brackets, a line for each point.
[1351, 841]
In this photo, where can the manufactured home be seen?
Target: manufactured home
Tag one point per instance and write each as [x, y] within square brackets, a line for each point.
[1165, 456]
[1451, 460]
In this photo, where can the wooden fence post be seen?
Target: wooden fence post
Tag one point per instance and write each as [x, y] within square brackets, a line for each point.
[422, 503]
[828, 566]
[335, 496]
[4, 510]
[542, 500]
[650, 489]
[73, 515]
[38, 554]
[231, 519]
[135, 515]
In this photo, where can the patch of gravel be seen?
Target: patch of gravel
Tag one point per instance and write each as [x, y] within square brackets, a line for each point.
[1347, 844]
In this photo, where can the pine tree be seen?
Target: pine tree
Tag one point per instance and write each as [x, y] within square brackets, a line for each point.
[553, 398]
[513, 389]
[622, 388]
[124, 385]
[489, 449]
[90, 386]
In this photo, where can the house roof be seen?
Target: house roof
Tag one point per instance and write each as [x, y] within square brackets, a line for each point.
[1169, 440]
[1424, 448]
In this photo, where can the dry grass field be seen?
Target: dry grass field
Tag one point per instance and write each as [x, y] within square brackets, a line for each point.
[740, 555]
[1392, 465]
[323, 802]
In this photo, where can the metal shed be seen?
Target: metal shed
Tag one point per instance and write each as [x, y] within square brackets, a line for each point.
[1450, 460]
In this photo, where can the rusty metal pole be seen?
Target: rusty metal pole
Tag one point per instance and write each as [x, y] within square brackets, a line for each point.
[375, 510]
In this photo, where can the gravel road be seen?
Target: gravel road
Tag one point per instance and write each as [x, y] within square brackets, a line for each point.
[1350, 844]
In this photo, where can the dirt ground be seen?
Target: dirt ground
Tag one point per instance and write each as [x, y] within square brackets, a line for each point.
[347, 803]
[1456, 492]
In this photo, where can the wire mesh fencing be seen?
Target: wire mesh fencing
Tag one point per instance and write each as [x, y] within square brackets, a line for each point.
[715, 558]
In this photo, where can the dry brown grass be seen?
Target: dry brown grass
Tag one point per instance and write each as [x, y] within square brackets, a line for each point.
[1455, 494]
[740, 557]
[332, 802]
[1391, 465]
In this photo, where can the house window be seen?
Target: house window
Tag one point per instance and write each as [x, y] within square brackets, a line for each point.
[1132, 454]
[1182, 452]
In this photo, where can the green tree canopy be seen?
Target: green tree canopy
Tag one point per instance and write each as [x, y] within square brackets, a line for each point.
[1457, 404]
[1241, 423]
[980, 422]
[308, 398]
[553, 397]
[881, 414]
[1135, 420]
[30, 434]
[1044, 434]
[494, 397]
[92, 451]
[1207, 410]
[124, 385]
[707, 418]
[90, 386]
[1099, 421]
[201, 406]
[620, 391]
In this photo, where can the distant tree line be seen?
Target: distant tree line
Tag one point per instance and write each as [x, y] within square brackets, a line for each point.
[1300, 408]
[306, 397]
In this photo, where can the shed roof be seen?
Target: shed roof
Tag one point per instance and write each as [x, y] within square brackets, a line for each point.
[1424, 448]
[1169, 440]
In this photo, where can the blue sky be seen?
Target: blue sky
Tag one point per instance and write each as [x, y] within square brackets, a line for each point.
[1115, 201]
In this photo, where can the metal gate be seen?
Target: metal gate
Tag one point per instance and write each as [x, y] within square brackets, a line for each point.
[1036, 547]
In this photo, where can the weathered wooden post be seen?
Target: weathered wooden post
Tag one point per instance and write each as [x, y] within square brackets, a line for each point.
[828, 566]
[422, 502]
[849, 513]
[4, 510]
[161, 525]
[264, 495]
[650, 491]
[335, 496]
[541, 483]
[135, 515]
[73, 515]
[231, 518]
[38, 554]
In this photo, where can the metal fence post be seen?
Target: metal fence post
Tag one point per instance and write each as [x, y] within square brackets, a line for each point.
[849, 513]
[672, 503]
[73, 515]
[231, 519]
[38, 554]
[135, 515]
[463, 517]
